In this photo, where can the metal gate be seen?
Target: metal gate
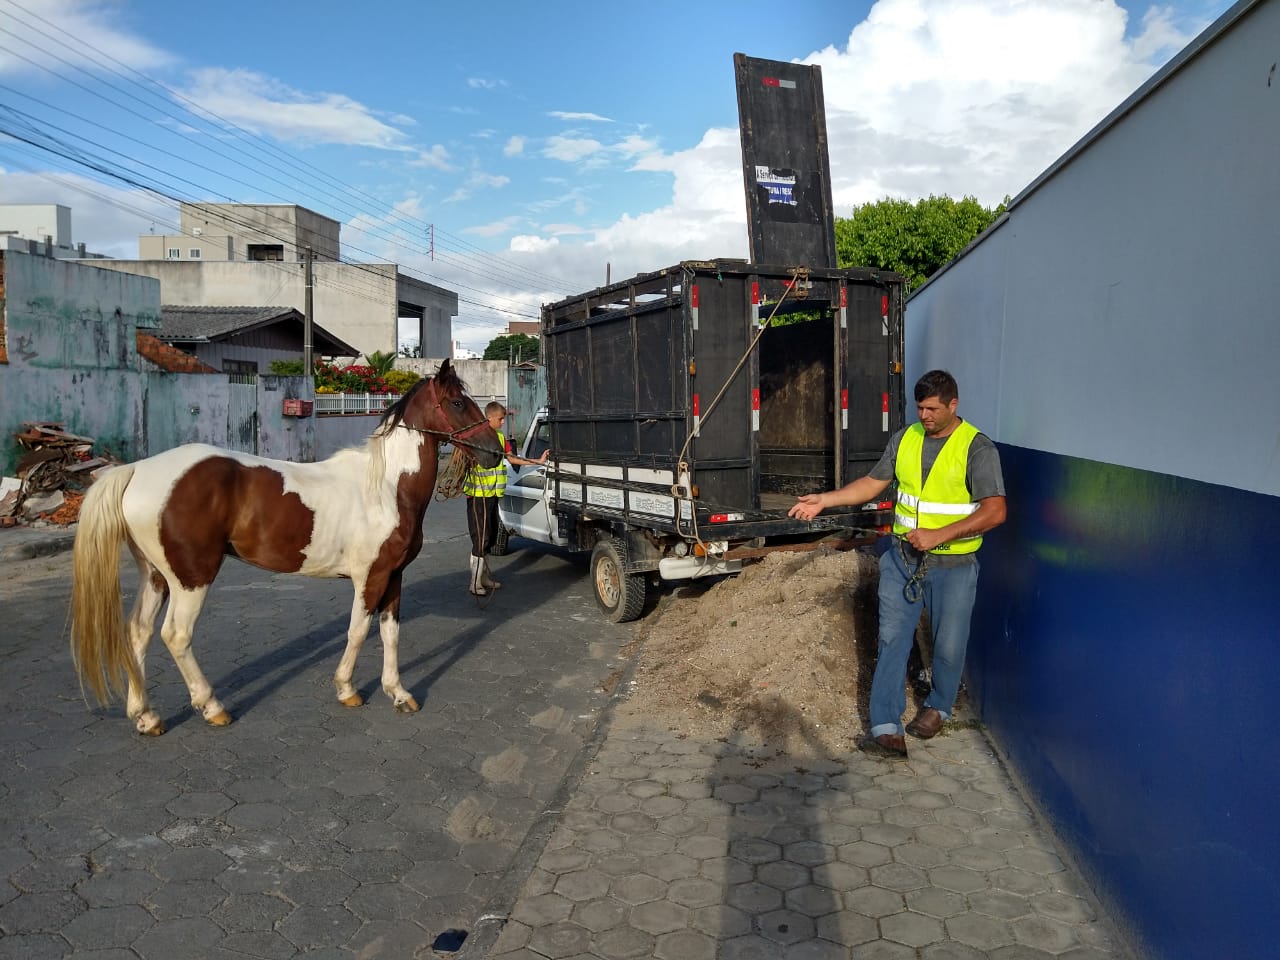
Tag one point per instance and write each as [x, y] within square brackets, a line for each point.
[242, 413]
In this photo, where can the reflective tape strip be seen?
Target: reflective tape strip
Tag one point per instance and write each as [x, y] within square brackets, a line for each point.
[903, 520]
[949, 509]
[907, 500]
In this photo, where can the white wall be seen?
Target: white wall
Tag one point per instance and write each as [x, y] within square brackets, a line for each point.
[1128, 310]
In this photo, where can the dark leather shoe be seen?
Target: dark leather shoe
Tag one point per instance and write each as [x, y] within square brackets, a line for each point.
[926, 724]
[887, 746]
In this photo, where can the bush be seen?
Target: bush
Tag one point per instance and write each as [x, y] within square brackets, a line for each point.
[287, 368]
[401, 380]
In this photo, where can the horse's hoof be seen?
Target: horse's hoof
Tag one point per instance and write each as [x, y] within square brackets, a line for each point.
[152, 731]
[219, 719]
[408, 705]
[354, 700]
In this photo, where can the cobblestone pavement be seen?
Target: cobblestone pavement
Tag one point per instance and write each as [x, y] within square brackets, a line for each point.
[303, 828]
[691, 851]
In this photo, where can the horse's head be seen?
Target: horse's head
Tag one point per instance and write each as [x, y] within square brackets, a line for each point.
[440, 408]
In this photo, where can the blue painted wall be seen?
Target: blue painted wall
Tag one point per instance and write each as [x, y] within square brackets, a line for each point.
[1125, 655]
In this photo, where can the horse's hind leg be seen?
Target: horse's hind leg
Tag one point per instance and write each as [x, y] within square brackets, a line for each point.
[389, 631]
[179, 622]
[152, 590]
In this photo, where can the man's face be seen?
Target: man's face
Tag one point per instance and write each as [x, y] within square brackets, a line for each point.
[936, 416]
[496, 419]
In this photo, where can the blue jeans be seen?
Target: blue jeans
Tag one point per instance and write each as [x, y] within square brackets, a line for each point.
[948, 594]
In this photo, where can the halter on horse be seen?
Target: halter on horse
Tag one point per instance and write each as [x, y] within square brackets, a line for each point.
[358, 515]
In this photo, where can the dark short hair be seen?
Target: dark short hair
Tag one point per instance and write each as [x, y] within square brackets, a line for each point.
[937, 383]
[492, 407]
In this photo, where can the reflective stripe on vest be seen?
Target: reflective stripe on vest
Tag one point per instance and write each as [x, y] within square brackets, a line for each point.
[944, 497]
[487, 481]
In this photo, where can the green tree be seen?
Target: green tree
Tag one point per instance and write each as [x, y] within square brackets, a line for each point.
[914, 239]
[514, 347]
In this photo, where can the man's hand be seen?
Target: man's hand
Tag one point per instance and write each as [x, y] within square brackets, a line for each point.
[925, 540]
[807, 506]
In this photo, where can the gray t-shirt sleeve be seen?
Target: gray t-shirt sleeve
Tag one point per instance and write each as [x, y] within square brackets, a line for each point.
[883, 470]
[984, 476]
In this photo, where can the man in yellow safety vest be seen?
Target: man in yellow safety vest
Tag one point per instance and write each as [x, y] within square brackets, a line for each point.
[950, 492]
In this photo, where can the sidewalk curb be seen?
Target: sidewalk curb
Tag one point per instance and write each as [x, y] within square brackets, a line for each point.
[41, 545]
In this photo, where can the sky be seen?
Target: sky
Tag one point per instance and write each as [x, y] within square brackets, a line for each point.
[520, 153]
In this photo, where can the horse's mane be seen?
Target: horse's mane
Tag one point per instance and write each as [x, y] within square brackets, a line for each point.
[445, 379]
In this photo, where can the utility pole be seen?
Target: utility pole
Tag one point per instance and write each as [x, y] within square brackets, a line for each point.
[308, 364]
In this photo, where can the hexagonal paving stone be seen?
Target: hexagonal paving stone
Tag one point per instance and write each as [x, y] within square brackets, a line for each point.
[1041, 933]
[840, 876]
[783, 874]
[108, 927]
[936, 902]
[560, 940]
[749, 947]
[985, 933]
[317, 926]
[785, 926]
[720, 921]
[847, 928]
[864, 854]
[913, 929]
[694, 892]
[685, 945]
[1064, 907]
[874, 902]
[999, 903]
[755, 851]
[624, 943]
[195, 863]
[810, 853]
[659, 916]
[638, 888]
[958, 879]
[541, 910]
[582, 885]
[1018, 881]
[598, 915]
[812, 900]
[754, 898]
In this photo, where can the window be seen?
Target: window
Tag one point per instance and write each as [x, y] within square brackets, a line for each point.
[194, 253]
[266, 251]
[174, 254]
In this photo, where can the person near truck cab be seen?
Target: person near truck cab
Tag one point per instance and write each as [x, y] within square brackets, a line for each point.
[950, 492]
[484, 487]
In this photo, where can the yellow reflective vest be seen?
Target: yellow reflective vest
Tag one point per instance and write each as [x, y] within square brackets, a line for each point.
[944, 497]
[488, 481]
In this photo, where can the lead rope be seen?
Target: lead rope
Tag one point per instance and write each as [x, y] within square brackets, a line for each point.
[913, 589]
[449, 483]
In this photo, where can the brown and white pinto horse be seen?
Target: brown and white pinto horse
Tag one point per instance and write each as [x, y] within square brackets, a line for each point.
[358, 514]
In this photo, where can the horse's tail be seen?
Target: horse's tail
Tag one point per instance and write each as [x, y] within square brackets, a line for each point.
[99, 641]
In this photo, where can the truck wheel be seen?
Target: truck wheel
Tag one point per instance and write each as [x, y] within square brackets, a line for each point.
[620, 595]
[501, 542]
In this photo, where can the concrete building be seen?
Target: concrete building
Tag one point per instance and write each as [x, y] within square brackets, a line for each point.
[276, 232]
[40, 229]
[1116, 335]
[246, 253]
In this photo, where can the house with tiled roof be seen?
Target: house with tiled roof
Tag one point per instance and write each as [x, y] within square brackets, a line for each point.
[245, 339]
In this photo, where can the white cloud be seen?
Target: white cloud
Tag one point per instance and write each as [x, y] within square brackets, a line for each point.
[567, 115]
[55, 26]
[514, 147]
[571, 149]
[495, 229]
[962, 97]
[265, 105]
[437, 158]
[478, 180]
[484, 83]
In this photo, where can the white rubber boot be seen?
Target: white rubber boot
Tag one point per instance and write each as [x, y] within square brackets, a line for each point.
[476, 585]
[486, 576]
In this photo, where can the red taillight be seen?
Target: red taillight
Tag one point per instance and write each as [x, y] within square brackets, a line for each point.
[719, 518]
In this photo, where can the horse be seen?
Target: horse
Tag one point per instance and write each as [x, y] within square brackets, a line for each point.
[357, 514]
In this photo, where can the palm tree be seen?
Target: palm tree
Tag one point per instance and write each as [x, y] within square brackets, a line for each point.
[381, 362]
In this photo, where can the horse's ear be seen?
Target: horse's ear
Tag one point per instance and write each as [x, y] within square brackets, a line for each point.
[445, 368]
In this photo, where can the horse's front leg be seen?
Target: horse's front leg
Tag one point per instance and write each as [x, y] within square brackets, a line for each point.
[356, 632]
[389, 631]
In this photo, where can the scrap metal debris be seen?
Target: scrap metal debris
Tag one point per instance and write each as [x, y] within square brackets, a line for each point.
[52, 475]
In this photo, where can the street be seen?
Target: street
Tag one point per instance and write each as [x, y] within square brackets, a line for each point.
[304, 827]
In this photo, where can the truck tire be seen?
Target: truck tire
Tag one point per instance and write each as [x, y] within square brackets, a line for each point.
[501, 542]
[620, 595]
